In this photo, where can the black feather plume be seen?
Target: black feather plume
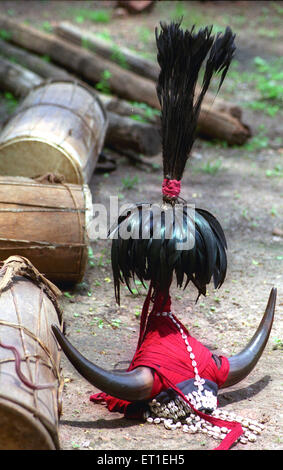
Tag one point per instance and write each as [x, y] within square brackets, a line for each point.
[181, 55]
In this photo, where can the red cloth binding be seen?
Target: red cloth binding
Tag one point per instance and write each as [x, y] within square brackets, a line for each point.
[162, 348]
[171, 188]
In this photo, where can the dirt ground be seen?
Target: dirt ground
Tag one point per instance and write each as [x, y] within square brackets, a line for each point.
[241, 186]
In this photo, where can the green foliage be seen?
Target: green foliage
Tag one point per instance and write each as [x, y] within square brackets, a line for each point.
[278, 343]
[258, 142]
[118, 57]
[267, 79]
[6, 35]
[149, 112]
[105, 35]
[145, 34]
[276, 171]
[97, 16]
[129, 182]
[11, 101]
[103, 85]
[137, 117]
[211, 167]
[90, 257]
[47, 27]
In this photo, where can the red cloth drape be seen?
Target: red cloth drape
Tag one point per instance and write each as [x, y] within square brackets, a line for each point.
[162, 348]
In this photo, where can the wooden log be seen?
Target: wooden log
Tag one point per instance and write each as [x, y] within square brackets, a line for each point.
[135, 62]
[32, 62]
[222, 126]
[128, 134]
[30, 392]
[16, 79]
[91, 67]
[43, 69]
[124, 108]
[46, 223]
[59, 127]
[141, 137]
[121, 55]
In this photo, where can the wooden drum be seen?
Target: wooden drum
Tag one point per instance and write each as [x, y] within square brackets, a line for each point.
[59, 128]
[46, 223]
[29, 357]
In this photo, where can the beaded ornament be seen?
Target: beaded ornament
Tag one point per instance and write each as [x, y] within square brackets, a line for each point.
[176, 413]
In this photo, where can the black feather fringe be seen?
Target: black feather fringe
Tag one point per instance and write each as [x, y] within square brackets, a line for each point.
[173, 240]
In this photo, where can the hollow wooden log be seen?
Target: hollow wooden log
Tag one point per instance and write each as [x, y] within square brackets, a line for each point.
[47, 223]
[30, 379]
[138, 136]
[59, 127]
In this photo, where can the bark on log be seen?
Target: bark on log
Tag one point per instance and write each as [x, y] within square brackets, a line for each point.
[121, 55]
[16, 79]
[222, 126]
[47, 70]
[123, 132]
[124, 83]
[135, 62]
[91, 67]
[32, 62]
[124, 108]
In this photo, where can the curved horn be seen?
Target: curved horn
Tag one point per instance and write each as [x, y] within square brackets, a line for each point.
[131, 386]
[242, 363]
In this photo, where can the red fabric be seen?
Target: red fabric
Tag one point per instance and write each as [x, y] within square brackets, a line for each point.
[162, 348]
[171, 188]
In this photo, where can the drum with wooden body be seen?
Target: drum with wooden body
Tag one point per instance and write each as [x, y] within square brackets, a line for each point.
[59, 128]
[28, 306]
[46, 223]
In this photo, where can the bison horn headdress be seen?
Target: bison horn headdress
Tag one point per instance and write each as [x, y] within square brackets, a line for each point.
[157, 242]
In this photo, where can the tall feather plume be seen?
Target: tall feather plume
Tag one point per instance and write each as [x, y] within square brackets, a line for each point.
[180, 55]
[157, 256]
